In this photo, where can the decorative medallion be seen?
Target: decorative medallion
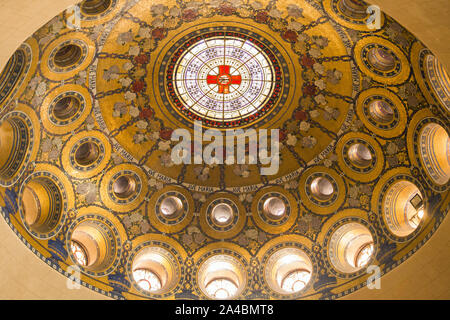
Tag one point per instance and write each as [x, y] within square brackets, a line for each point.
[224, 77]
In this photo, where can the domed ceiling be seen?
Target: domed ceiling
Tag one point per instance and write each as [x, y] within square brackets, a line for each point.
[91, 101]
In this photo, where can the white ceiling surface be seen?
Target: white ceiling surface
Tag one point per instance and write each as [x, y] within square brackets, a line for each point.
[24, 276]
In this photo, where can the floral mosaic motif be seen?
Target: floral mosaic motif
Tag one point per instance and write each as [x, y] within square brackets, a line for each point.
[89, 190]
[50, 30]
[136, 224]
[360, 195]
[396, 153]
[132, 72]
[309, 225]
[411, 95]
[399, 35]
[36, 90]
[252, 238]
[193, 238]
[51, 148]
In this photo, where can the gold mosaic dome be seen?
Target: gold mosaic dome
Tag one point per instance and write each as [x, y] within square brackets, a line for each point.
[88, 109]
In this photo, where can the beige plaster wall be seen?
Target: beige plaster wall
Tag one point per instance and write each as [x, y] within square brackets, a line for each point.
[425, 275]
[24, 276]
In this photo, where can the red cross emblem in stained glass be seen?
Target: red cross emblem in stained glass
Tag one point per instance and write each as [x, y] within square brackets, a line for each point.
[224, 79]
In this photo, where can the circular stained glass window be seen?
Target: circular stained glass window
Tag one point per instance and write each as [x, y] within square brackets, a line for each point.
[225, 79]
[79, 253]
[147, 280]
[221, 288]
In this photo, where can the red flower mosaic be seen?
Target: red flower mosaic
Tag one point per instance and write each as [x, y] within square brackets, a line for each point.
[159, 33]
[146, 113]
[226, 9]
[141, 59]
[282, 135]
[310, 90]
[138, 86]
[262, 17]
[307, 61]
[166, 134]
[300, 115]
[290, 35]
[189, 15]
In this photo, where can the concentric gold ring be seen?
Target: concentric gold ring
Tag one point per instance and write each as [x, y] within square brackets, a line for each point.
[59, 127]
[171, 225]
[316, 205]
[364, 174]
[116, 236]
[68, 154]
[400, 118]
[274, 226]
[67, 198]
[135, 200]
[402, 67]
[175, 263]
[232, 229]
[88, 50]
